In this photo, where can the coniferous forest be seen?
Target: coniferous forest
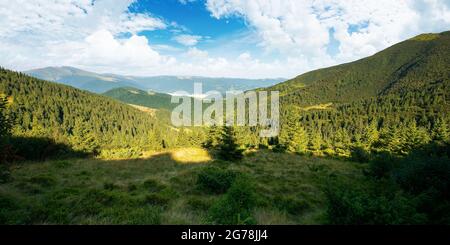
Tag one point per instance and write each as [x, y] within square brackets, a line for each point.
[361, 143]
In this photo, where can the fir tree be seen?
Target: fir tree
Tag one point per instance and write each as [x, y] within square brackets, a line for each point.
[441, 130]
[214, 137]
[228, 149]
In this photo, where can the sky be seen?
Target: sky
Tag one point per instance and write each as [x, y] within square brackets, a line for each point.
[215, 38]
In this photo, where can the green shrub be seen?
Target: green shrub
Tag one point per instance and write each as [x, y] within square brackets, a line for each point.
[359, 154]
[382, 165]
[162, 198]
[152, 185]
[5, 174]
[348, 205]
[131, 187]
[291, 205]
[109, 186]
[236, 206]
[199, 204]
[121, 153]
[215, 180]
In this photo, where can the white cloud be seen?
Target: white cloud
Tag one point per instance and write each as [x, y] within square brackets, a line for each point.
[90, 35]
[195, 53]
[302, 28]
[188, 40]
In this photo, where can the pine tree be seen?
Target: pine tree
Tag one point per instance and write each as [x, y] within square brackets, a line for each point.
[5, 122]
[415, 137]
[83, 139]
[228, 149]
[441, 130]
[315, 142]
[293, 137]
[370, 135]
[214, 137]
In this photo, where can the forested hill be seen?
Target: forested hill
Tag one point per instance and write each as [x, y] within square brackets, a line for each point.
[82, 120]
[415, 65]
[139, 97]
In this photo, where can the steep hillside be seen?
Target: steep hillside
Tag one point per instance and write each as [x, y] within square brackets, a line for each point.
[82, 120]
[139, 97]
[415, 65]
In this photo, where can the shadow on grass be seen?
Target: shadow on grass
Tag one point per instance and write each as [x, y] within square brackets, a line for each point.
[37, 149]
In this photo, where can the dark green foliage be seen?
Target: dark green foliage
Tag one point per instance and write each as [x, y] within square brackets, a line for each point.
[359, 154]
[6, 123]
[199, 204]
[152, 185]
[214, 137]
[138, 97]
[382, 165]
[5, 174]
[37, 148]
[109, 186]
[291, 205]
[85, 122]
[43, 180]
[236, 206]
[415, 186]
[161, 198]
[425, 174]
[350, 205]
[228, 149]
[216, 180]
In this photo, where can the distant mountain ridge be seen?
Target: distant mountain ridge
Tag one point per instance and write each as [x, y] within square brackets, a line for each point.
[101, 83]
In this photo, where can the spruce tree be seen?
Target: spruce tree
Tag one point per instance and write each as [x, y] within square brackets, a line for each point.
[228, 149]
[214, 137]
[441, 130]
[293, 137]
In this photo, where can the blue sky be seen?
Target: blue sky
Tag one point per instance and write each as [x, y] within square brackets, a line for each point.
[218, 38]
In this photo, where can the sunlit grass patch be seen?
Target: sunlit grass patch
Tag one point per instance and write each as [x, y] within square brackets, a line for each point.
[191, 155]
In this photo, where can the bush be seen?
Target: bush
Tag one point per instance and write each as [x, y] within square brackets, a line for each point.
[109, 186]
[121, 153]
[236, 206]
[348, 205]
[5, 174]
[199, 204]
[161, 198]
[359, 154]
[152, 185]
[291, 205]
[382, 165]
[216, 180]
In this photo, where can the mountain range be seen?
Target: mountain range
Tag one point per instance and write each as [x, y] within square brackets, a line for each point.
[100, 83]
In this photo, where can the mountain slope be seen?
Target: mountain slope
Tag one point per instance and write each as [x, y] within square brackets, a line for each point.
[138, 97]
[77, 78]
[416, 64]
[85, 121]
[100, 83]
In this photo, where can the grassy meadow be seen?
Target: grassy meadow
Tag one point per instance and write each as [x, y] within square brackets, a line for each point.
[185, 186]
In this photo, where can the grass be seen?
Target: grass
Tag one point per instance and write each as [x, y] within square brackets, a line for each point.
[163, 189]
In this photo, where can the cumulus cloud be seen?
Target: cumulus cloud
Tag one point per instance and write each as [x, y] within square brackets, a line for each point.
[188, 40]
[103, 35]
[361, 27]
